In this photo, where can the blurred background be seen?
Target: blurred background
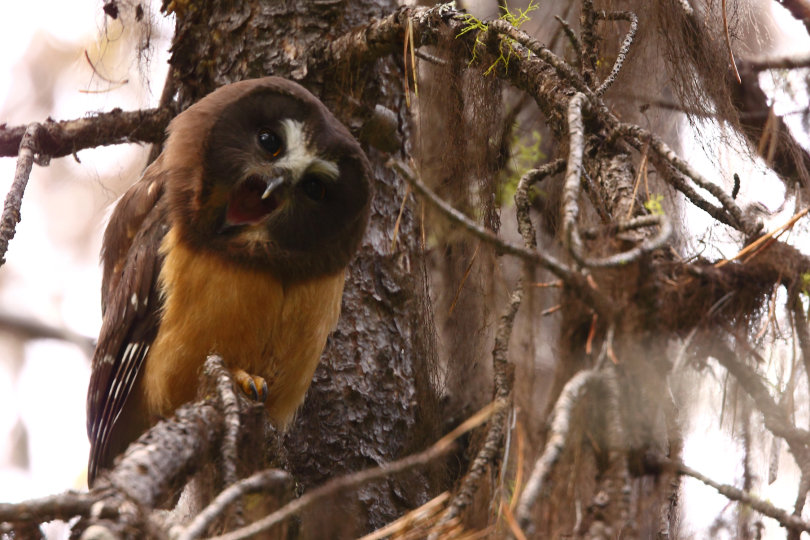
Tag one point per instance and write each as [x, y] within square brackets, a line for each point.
[63, 60]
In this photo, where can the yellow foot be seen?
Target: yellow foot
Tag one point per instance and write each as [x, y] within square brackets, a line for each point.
[254, 386]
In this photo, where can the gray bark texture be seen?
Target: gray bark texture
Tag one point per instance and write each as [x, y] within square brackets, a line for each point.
[364, 406]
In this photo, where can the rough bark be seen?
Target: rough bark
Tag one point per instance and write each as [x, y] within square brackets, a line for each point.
[374, 382]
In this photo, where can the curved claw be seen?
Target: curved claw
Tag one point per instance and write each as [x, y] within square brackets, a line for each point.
[254, 386]
[262, 396]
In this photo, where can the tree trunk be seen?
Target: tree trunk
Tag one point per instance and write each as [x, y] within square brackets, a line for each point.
[375, 383]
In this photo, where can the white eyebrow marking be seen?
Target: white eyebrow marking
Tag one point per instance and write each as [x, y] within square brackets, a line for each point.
[324, 167]
[298, 157]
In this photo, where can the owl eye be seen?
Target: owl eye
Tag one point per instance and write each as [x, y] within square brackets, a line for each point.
[314, 188]
[270, 142]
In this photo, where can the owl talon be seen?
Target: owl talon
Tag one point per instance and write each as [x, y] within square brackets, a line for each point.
[254, 386]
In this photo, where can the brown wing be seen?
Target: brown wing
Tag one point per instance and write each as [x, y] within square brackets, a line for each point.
[131, 307]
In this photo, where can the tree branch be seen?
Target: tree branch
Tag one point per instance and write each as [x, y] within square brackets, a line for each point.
[763, 507]
[28, 148]
[352, 481]
[58, 139]
[571, 393]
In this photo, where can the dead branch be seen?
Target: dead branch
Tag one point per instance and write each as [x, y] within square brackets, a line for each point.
[63, 506]
[590, 49]
[65, 138]
[574, 280]
[800, 9]
[623, 50]
[570, 202]
[572, 38]
[352, 481]
[161, 460]
[730, 213]
[572, 392]
[29, 328]
[573, 172]
[154, 467]
[522, 199]
[495, 434]
[776, 419]
[761, 63]
[542, 259]
[28, 149]
[421, 517]
[763, 507]
[261, 481]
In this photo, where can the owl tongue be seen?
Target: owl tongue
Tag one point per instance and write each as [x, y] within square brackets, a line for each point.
[246, 205]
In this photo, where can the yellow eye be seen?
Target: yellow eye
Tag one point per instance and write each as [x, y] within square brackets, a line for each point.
[270, 142]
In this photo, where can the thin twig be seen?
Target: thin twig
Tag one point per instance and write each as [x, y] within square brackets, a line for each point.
[763, 507]
[259, 482]
[503, 389]
[420, 516]
[30, 328]
[590, 52]
[761, 63]
[571, 393]
[522, 199]
[28, 149]
[623, 50]
[62, 506]
[776, 419]
[776, 233]
[728, 44]
[337, 485]
[543, 259]
[395, 234]
[731, 214]
[572, 37]
[463, 280]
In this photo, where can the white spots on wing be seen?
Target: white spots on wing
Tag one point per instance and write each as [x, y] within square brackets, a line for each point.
[151, 188]
[134, 300]
[120, 386]
[128, 350]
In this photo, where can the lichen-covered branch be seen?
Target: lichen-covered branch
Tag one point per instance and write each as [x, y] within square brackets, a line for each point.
[522, 199]
[730, 213]
[570, 200]
[28, 149]
[623, 50]
[558, 436]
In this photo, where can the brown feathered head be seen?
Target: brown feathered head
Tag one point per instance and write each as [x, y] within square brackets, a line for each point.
[276, 182]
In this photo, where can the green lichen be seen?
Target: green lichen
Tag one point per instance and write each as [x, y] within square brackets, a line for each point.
[654, 204]
[505, 46]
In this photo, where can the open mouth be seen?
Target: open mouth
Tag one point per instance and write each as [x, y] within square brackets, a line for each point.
[246, 205]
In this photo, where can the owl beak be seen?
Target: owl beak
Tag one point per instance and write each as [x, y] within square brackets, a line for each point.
[272, 185]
